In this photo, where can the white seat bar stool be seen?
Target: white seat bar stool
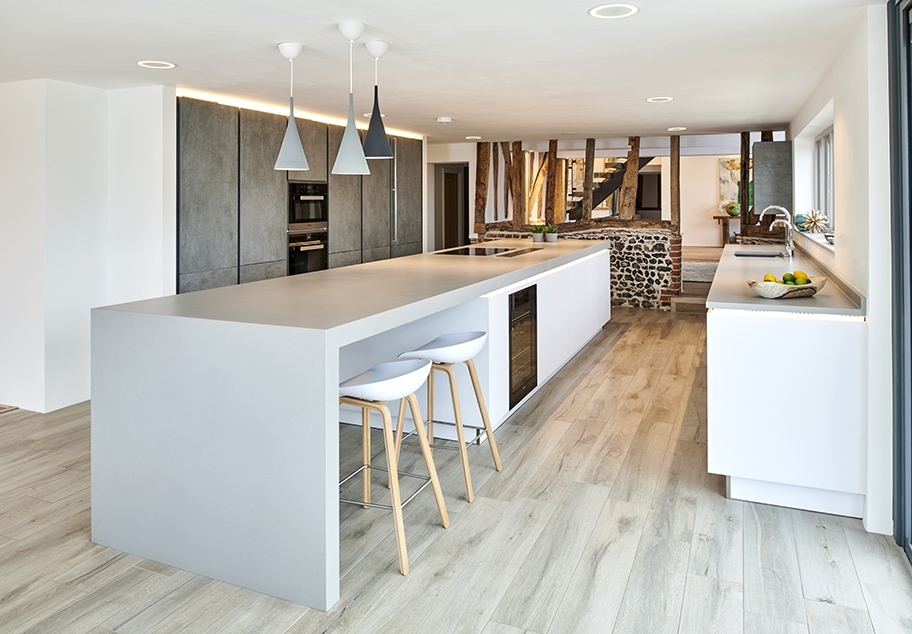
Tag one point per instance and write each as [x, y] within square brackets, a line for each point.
[371, 390]
[444, 351]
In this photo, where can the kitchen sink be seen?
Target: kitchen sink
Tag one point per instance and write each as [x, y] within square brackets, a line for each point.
[758, 254]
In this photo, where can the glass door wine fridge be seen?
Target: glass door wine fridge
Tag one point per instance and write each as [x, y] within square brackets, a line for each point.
[523, 344]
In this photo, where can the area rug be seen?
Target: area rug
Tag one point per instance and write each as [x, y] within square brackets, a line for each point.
[7, 408]
[698, 271]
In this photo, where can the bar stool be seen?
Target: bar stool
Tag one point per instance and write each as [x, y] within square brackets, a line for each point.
[371, 390]
[444, 351]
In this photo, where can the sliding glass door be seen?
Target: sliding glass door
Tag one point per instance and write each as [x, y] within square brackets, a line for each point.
[900, 41]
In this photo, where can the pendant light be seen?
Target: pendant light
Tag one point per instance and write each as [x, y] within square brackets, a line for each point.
[291, 154]
[376, 145]
[350, 159]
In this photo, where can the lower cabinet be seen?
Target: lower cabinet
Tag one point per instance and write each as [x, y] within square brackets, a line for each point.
[263, 271]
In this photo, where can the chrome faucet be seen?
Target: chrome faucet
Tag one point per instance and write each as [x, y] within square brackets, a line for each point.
[776, 210]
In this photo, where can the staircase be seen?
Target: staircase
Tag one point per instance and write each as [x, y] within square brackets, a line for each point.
[604, 185]
[692, 298]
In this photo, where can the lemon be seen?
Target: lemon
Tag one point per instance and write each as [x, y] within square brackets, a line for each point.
[788, 277]
[800, 274]
[769, 277]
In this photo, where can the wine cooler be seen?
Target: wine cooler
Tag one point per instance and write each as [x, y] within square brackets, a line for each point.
[523, 344]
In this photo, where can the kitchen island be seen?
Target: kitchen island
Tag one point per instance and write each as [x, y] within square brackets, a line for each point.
[786, 388]
[215, 414]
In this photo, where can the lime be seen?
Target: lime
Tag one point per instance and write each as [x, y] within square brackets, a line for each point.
[788, 277]
[791, 282]
[800, 281]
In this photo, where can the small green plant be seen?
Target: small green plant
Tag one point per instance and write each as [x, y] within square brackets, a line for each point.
[550, 229]
[539, 228]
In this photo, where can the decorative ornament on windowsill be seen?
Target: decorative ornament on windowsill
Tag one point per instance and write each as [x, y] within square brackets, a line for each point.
[815, 222]
[730, 207]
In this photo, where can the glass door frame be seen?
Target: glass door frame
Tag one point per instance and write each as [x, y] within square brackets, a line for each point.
[899, 13]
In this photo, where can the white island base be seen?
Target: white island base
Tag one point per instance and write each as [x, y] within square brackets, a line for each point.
[215, 415]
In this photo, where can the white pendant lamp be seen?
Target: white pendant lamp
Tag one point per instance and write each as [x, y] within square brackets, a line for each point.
[376, 145]
[291, 154]
[350, 159]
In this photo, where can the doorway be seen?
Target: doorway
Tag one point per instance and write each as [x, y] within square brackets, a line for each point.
[451, 215]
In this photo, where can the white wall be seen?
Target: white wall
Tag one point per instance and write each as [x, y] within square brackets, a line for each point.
[140, 238]
[856, 89]
[699, 199]
[22, 221]
[87, 204]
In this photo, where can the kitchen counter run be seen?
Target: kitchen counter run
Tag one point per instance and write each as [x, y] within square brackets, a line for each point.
[730, 290]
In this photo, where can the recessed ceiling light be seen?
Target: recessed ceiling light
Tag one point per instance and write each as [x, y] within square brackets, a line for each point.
[613, 11]
[677, 129]
[659, 99]
[153, 64]
[472, 138]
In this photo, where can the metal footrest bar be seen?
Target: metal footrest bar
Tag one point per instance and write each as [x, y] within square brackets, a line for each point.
[472, 441]
[407, 474]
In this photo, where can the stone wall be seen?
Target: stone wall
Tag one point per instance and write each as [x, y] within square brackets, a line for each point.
[645, 263]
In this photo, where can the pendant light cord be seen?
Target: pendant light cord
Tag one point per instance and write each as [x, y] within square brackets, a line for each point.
[291, 87]
[351, 84]
[376, 62]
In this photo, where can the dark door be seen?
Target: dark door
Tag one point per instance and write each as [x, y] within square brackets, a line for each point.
[450, 210]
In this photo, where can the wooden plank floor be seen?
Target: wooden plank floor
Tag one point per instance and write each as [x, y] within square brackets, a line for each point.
[603, 520]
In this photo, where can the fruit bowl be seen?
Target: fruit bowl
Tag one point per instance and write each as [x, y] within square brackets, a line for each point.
[775, 290]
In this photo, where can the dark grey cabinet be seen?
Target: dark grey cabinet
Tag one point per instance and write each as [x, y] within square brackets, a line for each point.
[263, 197]
[376, 206]
[344, 210]
[313, 138]
[408, 179]
[207, 195]
[232, 203]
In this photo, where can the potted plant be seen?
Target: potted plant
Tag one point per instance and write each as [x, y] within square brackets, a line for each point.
[538, 232]
[550, 233]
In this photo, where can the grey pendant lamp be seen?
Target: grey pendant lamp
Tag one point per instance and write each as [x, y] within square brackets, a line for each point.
[291, 154]
[350, 159]
[376, 145]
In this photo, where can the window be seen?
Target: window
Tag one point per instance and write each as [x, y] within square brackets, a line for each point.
[823, 175]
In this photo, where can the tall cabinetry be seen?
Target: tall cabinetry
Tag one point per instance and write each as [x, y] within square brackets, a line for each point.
[207, 195]
[232, 204]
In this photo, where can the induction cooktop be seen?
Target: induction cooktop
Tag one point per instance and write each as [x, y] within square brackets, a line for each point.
[477, 251]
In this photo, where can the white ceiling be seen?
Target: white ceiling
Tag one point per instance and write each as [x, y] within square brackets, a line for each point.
[502, 69]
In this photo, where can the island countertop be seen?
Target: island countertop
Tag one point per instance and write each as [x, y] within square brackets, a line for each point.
[342, 299]
[730, 290]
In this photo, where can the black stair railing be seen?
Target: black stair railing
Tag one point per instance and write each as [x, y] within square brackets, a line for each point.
[611, 182]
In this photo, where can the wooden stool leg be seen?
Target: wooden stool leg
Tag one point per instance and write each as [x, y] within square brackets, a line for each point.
[400, 423]
[393, 465]
[484, 414]
[366, 454]
[428, 460]
[430, 409]
[460, 431]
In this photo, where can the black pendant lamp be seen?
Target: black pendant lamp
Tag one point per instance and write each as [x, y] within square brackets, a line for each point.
[376, 144]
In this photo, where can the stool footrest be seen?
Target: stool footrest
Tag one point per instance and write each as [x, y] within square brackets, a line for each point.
[408, 474]
[471, 441]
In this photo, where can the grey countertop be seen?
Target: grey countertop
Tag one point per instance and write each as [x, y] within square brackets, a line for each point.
[730, 290]
[368, 297]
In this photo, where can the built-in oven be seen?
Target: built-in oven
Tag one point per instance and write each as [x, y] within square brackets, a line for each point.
[308, 247]
[307, 202]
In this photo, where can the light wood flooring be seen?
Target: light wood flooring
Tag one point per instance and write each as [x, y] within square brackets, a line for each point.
[701, 254]
[603, 520]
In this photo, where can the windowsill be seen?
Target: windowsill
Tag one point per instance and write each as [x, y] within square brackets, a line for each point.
[817, 240]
